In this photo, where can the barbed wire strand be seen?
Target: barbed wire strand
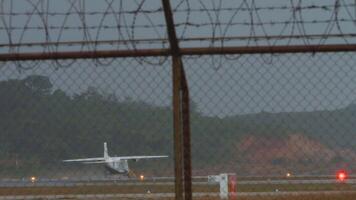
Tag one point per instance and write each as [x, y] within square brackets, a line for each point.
[120, 26]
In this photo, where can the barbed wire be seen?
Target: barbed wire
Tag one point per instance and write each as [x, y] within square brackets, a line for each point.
[196, 25]
[133, 12]
[83, 25]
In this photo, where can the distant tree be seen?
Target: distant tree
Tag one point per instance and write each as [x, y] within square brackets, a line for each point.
[38, 84]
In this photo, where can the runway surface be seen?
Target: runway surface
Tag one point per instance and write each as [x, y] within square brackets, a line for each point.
[152, 181]
[118, 188]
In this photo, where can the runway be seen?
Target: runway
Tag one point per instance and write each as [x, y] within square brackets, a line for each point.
[153, 181]
[163, 188]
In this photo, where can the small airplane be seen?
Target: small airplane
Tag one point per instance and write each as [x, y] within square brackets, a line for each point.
[114, 165]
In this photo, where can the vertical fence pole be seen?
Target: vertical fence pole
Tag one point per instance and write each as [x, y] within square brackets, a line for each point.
[182, 143]
[186, 137]
[177, 122]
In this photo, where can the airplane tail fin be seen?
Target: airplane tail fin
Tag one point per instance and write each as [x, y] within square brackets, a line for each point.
[106, 154]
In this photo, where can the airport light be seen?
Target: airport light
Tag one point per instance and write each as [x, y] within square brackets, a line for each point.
[33, 179]
[288, 175]
[142, 177]
[341, 175]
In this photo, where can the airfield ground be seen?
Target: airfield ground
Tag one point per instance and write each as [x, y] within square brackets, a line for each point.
[338, 191]
[142, 189]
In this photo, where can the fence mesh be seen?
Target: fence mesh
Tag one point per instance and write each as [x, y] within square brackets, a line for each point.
[49, 115]
[284, 123]
[267, 115]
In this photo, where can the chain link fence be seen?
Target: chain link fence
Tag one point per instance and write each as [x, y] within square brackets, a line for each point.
[269, 115]
[281, 122]
[50, 115]
[99, 123]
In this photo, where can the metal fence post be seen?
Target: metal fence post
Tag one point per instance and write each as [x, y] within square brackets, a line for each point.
[183, 185]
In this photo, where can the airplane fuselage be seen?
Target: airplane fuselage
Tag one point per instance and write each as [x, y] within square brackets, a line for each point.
[118, 167]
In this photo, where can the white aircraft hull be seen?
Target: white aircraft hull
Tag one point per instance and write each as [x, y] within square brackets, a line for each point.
[114, 165]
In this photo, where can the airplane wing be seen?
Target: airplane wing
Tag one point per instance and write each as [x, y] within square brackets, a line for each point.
[95, 162]
[98, 159]
[135, 157]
